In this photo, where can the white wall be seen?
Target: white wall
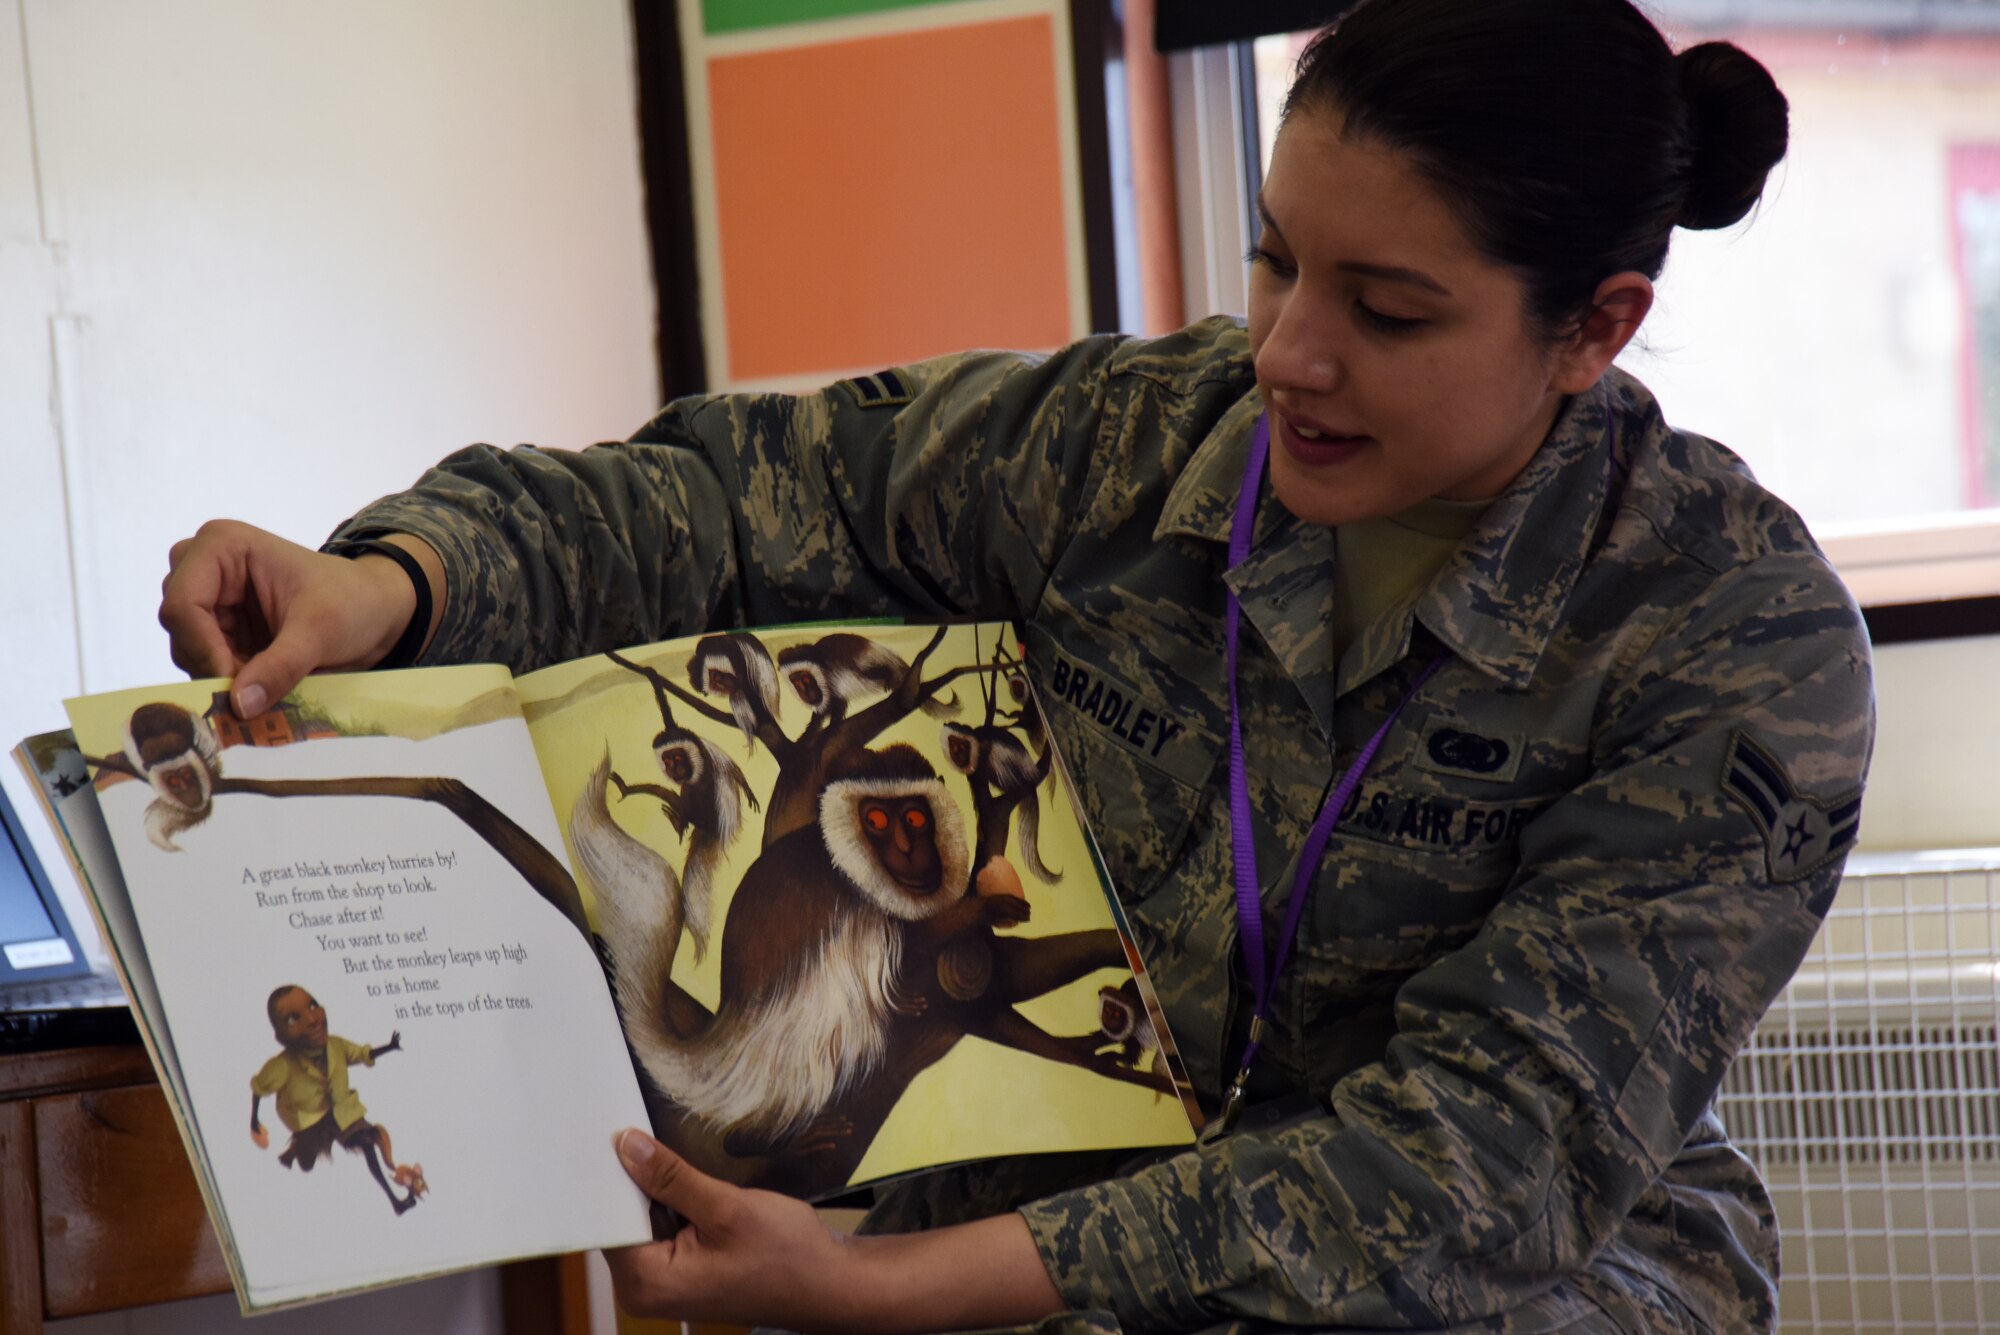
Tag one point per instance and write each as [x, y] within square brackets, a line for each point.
[38, 661]
[1935, 782]
[268, 261]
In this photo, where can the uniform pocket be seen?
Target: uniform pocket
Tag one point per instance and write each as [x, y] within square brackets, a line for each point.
[1138, 814]
[1382, 906]
[1142, 754]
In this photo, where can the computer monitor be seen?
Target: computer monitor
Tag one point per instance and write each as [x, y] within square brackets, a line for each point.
[36, 943]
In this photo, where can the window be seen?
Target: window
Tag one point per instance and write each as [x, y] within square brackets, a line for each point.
[1975, 219]
[1845, 339]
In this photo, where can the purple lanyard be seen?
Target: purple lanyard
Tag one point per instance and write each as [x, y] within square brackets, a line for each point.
[1264, 971]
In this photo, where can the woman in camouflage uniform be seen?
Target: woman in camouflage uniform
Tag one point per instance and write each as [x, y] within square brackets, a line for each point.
[1628, 703]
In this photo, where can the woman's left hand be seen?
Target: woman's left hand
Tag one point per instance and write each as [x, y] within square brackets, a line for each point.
[755, 1258]
[742, 1257]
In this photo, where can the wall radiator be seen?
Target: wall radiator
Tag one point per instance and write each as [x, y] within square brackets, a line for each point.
[1870, 1100]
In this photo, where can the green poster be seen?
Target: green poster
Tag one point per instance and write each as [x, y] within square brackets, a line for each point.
[722, 16]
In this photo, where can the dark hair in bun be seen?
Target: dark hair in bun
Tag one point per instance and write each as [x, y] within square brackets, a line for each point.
[1565, 134]
[1738, 125]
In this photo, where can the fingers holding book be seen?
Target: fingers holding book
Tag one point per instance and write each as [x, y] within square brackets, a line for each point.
[240, 602]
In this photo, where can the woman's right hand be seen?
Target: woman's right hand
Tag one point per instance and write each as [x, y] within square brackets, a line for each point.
[243, 603]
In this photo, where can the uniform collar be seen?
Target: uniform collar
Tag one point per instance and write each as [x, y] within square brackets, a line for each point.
[1499, 598]
[1496, 601]
[1285, 585]
[1203, 497]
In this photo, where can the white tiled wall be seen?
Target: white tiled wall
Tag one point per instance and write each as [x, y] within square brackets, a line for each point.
[269, 261]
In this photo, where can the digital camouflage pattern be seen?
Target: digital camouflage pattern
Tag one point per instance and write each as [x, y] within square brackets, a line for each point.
[1557, 905]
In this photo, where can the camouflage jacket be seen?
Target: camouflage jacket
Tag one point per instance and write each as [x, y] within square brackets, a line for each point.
[1590, 853]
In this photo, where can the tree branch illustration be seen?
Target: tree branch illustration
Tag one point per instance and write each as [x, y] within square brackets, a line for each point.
[537, 866]
[663, 688]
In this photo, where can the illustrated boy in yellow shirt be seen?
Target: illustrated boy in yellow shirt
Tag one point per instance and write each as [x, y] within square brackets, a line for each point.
[314, 1100]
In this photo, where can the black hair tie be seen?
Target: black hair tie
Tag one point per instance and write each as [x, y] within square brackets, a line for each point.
[408, 645]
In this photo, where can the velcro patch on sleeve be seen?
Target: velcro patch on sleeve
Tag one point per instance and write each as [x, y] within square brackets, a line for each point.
[884, 389]
[1801, 834]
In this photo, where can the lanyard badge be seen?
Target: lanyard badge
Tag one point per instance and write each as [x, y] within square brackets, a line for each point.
[1263, 969]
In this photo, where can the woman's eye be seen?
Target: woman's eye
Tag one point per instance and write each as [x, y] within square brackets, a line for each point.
[1258, 256]
[1388, 324]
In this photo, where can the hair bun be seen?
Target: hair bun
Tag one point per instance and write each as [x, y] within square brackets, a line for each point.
[1738, 126]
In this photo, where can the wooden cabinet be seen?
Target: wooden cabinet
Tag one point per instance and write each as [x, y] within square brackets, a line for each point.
[107, 1160]
[99, 1208]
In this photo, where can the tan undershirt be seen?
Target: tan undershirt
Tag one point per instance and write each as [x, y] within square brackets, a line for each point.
[1383, 561]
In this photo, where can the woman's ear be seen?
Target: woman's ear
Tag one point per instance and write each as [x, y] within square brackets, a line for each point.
[1617, 309]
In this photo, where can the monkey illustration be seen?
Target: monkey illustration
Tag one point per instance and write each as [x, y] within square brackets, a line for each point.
[722, 663]
[1128, 1028]
[176, 752]
[707, 809]
[839, 980]
[1004, 777]
[810, 950]
[836, 668]
[1026, 714]
[739, 668]
[309, 1078]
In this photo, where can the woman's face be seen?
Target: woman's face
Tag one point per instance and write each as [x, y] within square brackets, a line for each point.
[1396, 361]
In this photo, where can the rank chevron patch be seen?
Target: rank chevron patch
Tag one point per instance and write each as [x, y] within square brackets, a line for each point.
[884, 389]
[1801, 834]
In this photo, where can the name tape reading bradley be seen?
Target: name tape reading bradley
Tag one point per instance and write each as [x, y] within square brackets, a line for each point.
[1118, 712]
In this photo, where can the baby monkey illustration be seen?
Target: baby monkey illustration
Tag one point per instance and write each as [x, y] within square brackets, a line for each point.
[1128, 1028]
[176, 752]
[315, 1101]
[834, 670]
[1004, 778]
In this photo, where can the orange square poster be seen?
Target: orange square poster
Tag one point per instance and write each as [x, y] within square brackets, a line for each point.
[891, 197]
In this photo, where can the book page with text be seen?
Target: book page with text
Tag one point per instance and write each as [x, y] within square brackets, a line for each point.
[365, 939]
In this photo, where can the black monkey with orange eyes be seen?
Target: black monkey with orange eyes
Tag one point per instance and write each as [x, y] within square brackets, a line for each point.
[855, 955]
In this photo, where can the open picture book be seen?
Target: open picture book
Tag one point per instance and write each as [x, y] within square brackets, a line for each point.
[408, 950]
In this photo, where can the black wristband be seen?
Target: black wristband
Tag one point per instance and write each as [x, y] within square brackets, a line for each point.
[411, 642]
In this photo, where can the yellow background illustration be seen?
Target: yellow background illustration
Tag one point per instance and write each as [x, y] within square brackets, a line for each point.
[980, 1100]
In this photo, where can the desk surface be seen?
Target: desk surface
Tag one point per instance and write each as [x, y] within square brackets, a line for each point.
[99, 1208]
